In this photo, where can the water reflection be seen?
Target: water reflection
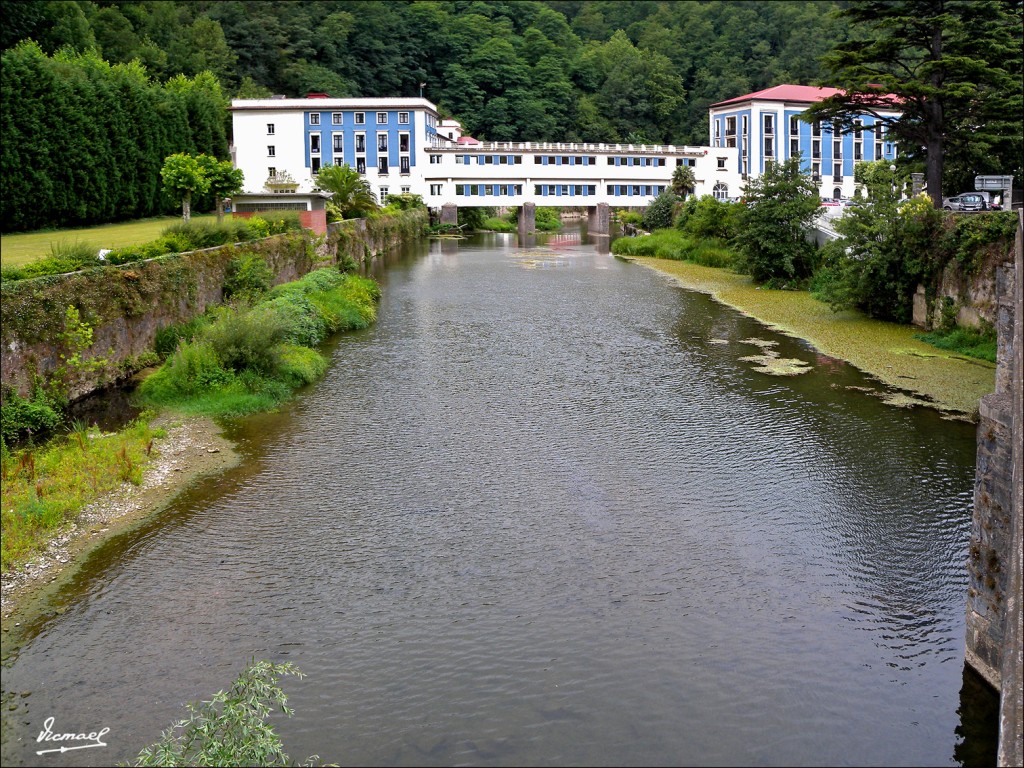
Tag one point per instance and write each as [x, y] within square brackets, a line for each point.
[543, 516]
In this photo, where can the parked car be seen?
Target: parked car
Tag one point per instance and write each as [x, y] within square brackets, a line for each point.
[968, 202]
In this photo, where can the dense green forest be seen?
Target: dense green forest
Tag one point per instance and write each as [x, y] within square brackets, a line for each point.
[544, 71]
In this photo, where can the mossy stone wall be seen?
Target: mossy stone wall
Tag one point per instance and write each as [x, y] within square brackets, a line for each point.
[127, 305]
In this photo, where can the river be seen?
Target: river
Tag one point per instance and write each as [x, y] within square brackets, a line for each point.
[542, 513]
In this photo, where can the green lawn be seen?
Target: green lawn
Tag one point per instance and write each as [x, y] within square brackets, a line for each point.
[24, 247]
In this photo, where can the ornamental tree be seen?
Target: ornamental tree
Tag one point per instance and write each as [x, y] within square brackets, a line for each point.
[683, 181]
[353, 196]
[184, 176]
[224, 180]
[782, 203]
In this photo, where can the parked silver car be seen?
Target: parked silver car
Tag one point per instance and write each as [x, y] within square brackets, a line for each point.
[967, 202]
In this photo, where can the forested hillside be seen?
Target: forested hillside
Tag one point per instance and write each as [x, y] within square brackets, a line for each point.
[548, 71]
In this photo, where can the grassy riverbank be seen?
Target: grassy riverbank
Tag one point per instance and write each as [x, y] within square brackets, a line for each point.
[236, 360]
[22, 248]
[887, 351]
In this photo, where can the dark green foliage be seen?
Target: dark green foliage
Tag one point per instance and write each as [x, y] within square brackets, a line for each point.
[84, 140]
[706, 218]
[245, 338]
[772, 237]
[36, 417]
[658, 215]
[957, 67]
[405, 201]
[168, 338]
[248, 277]
[545, 71]
[474, 218]
[548, 219]
[979, 343]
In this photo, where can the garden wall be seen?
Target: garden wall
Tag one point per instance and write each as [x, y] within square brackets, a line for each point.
[125, 306]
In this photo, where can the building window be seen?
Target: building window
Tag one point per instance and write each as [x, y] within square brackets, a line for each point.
[769, 146]
[720, 191]
[769, 124]
[314, 165]
[403, 118]
[794, 147]
[405, 190]
[794, 125]
[858, 126]
[403, 142]
[360, 118]
[383, 193]
[314, 143]
[271, 172]
[721, 162]
[360, 165]
[338, 143]
[837, 148]
[271, 150]
[336, 118]
[837, 172]
[382, 117]
[360, 142]
[435, 189]
[435, 159]
[816, 149]
[837, 193]
[382, 142]
[816, 128]
[270, 129]
[816, 171]
[314, 118]
[857, 153]
[404, 164]
[382, 166]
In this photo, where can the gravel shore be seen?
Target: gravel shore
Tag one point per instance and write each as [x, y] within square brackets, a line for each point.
[193, 448]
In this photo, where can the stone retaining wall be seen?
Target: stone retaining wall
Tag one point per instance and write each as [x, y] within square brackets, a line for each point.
[125, 306]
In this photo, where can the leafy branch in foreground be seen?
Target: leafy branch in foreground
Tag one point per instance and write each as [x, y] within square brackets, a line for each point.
[232, 728]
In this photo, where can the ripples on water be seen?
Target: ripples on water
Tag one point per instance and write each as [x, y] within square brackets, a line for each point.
[535, 517]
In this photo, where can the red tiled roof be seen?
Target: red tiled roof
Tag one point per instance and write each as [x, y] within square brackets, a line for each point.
[807, 94]
[467, 140]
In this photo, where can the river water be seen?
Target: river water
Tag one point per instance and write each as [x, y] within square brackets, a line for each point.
[543, 514]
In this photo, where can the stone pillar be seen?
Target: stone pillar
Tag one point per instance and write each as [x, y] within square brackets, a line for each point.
[598, 219]
[450, 214]
[916, 183]
[527, 219]
[1011, 698]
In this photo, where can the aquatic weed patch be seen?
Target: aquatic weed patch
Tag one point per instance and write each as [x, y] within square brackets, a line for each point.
[880, 349]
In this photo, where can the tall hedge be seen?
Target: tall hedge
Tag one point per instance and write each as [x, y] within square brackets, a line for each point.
[83, 140]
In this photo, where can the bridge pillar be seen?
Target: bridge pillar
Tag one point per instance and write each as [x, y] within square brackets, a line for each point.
[449, 214]
[598, 218]
[527, 219]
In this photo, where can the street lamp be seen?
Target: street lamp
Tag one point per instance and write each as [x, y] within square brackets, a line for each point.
[422, 86]
[892, 170]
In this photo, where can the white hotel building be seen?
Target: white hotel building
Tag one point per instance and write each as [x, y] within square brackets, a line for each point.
[402, 145]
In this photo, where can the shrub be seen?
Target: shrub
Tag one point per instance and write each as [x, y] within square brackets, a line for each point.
[300, 365]
[404, 201]
[248, 277]
[978, 343]
[170, 337]
[707, 217]
[548, 219]
[303, 321]
[230, 729]
[658, 215]
[245, 339]
[629, 217]
[38, 416]
[194, 367]
[260, 227]
[498, 225]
